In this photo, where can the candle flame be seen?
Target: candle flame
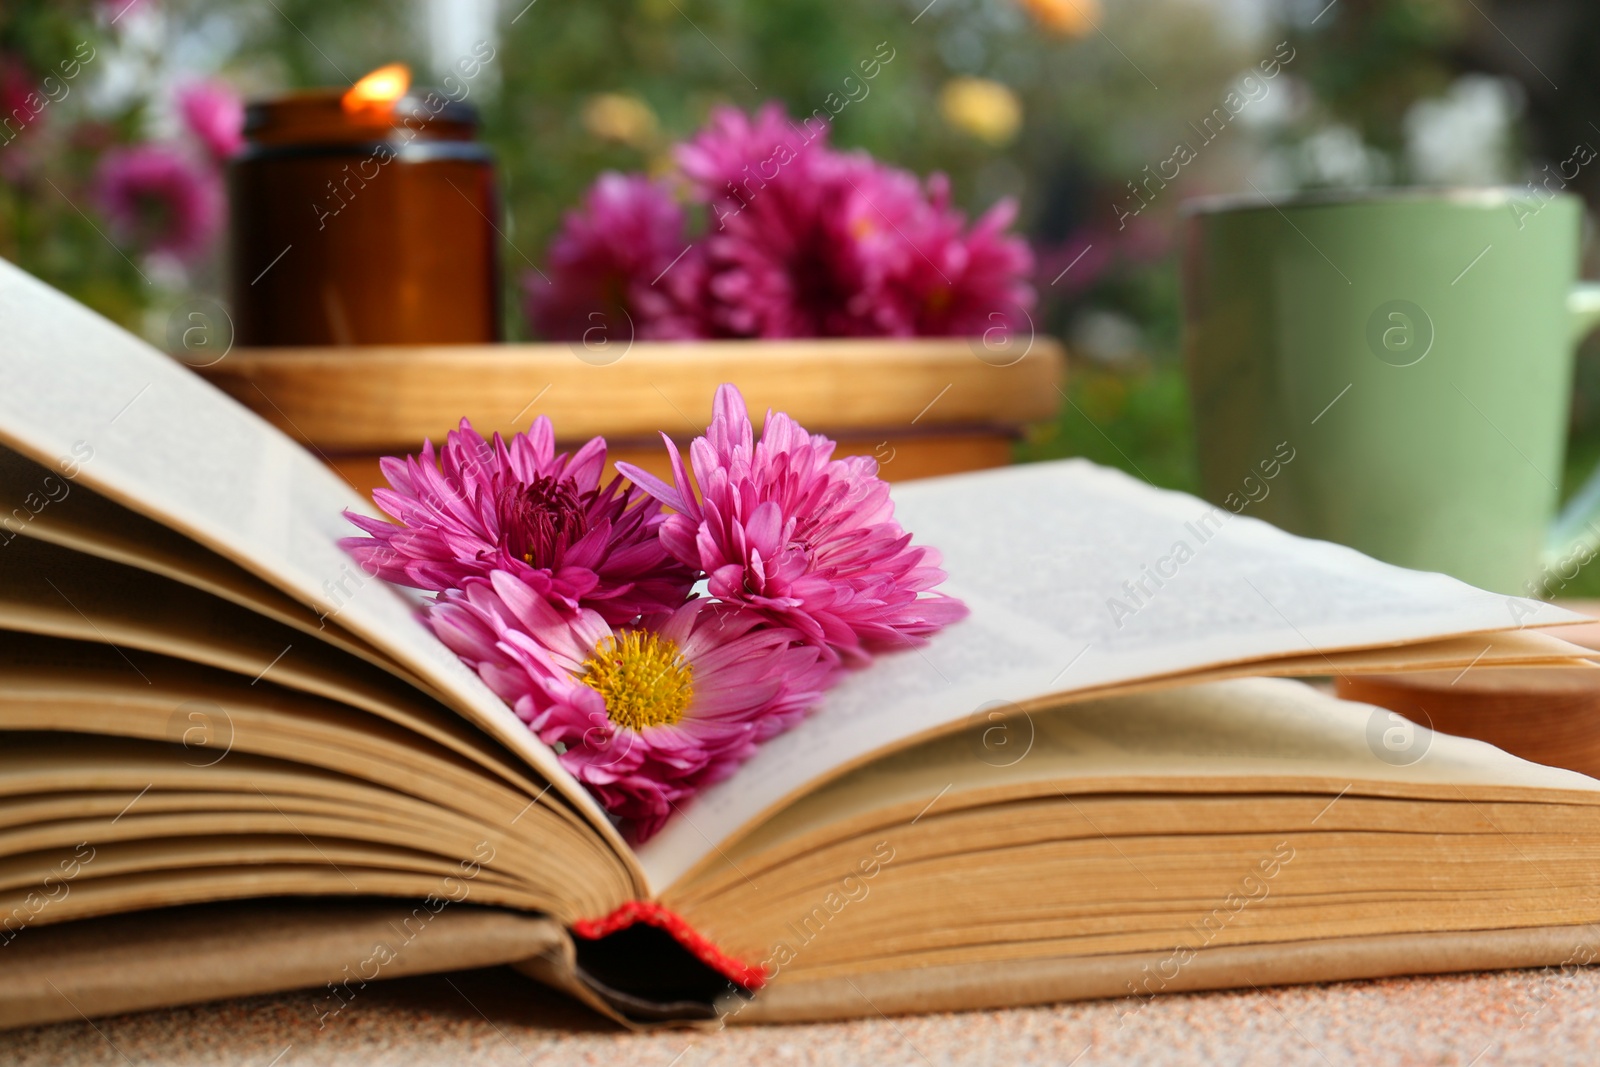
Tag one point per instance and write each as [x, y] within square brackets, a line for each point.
[379, 91]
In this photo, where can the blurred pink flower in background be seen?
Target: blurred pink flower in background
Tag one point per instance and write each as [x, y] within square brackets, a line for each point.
[957, 281]
[609, 264]
[736, 154]
[214, 113]
[806, 241]
[767, 214]
[1147, 240]
[18, 113]
[783, 259]
[115, 9]
[1077, 262]
[1089, 253]
[17, 84]
[801, 241]
[159, 199]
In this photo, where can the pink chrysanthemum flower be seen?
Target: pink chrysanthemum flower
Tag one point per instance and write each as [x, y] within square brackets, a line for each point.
[791, 262]
[155, 196]
[805, 241]
[615, 267]
[214, 113]
[807, 540]
[472, 508]
[801, 241]
[646, 716]
[737, 156]
[955, 281]
[781, 258]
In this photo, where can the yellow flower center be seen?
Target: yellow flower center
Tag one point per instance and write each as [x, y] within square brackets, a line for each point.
[642, 676]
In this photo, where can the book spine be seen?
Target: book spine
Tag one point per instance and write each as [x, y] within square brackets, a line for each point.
[751, 976]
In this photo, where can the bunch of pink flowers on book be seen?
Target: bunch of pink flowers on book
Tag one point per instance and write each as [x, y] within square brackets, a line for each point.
[763, 229]
[653, 633]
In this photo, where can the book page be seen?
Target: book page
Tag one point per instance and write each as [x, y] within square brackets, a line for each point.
[1247, 733]
[53, 592]
[205, 718]
[101, 408]
[1079, 578]
[75, 517]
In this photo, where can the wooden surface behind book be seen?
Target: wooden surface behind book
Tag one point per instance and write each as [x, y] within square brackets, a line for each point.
[1549, 715]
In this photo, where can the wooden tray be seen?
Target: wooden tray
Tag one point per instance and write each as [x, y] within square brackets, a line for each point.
[922, 407]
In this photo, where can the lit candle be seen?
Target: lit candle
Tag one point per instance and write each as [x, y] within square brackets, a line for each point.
[364, 217]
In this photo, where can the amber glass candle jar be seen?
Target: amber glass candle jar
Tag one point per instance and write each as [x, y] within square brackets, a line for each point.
[363, 225]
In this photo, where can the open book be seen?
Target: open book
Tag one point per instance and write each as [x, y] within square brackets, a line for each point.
[232, 762]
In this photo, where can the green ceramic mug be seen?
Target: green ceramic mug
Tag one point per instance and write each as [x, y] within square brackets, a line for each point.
[1410, 353]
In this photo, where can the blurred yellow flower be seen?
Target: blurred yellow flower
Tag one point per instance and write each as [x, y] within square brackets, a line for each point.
[621, 118]
[985, 109]
[1069, 18]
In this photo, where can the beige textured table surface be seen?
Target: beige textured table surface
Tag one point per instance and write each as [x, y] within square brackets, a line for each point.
[496, 1017]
